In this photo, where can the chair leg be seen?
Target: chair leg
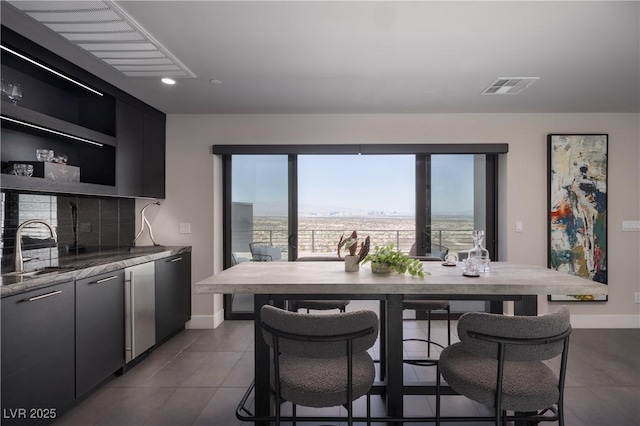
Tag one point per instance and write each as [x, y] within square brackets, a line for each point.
[368, 408]
[429, 334]
[448, 325]
[293, 414]
[437, 394]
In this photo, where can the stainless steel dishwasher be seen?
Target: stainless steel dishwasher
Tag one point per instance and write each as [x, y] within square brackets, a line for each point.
[140, 311]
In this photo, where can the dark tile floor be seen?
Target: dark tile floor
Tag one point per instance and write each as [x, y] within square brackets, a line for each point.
[198, 377]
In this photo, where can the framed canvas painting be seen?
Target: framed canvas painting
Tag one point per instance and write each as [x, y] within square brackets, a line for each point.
[577, 206]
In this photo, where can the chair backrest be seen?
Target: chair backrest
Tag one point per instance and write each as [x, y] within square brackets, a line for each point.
[319, 325]
[519, 327]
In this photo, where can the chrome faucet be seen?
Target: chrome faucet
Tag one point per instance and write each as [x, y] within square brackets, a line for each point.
[18, 263]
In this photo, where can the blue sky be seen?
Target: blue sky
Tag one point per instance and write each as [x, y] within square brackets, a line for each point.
[352, 183]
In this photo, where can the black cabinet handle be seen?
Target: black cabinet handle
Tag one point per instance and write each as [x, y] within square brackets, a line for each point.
[42, 296]
[104, 280]
[177, 259]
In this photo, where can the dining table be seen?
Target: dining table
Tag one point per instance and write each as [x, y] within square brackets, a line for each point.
[276, 282]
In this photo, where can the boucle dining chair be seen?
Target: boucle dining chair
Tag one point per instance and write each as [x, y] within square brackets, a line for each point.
[319, 304]
[320, 360]
[428, 306]
[499, 363]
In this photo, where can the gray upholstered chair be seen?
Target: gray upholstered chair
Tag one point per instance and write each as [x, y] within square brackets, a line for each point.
[320, 360]
[498, 362]
[319, 304]
[428, 306]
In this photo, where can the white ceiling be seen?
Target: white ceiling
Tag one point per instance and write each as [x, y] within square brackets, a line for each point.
[379, 57]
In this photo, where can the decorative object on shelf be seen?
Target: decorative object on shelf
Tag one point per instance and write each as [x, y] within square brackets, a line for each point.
[20, 169]
[388, 258]
[479, 253]
[14, 92]
[146, 223]
[45, 155]
[60, 159]
[352, 260]
[577, 188]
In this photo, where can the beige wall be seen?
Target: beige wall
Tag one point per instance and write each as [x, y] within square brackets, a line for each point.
[194, 184]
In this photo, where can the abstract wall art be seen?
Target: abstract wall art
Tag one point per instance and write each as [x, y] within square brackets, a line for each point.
[577, 205]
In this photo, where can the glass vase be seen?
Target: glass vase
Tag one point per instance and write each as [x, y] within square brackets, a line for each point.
[480, 253]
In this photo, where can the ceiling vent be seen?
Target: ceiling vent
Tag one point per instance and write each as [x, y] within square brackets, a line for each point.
[107, 32]
[509, 85]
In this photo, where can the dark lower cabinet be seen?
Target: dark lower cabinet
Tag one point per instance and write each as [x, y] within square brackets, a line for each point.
[173, 294]
[37, 355]
[99, 329]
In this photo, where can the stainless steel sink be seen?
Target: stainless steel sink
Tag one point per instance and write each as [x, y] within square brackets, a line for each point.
[43, 271]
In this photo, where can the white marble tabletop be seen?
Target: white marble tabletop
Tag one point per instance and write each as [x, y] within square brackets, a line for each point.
[330, 278]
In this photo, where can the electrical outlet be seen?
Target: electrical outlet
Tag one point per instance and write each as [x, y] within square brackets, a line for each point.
[519, 226]
[185, 228]
[636, 297]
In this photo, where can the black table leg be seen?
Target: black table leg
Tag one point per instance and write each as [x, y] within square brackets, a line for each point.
[262, 362]
[383, 341]
[527, 306]
[394, 353]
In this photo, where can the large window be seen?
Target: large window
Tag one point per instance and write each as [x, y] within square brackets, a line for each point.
[337, 194]
[298, 200]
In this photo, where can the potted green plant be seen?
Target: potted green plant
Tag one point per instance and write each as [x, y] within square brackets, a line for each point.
[388, 258]
[352, 260]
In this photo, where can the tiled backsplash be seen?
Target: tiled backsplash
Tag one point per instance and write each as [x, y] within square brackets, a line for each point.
[84, 224]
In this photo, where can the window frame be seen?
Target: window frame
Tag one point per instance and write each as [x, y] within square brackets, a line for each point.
[423, 154]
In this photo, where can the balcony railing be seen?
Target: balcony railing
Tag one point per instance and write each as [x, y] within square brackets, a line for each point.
[325, 241]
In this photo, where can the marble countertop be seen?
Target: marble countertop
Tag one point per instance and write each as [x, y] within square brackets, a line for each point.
[86, 265]
[505, 278]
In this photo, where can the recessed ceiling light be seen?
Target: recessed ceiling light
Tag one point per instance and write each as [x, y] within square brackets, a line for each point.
[168, 81]
[214, 81]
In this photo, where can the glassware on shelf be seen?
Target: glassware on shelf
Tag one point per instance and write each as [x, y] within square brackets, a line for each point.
[14, 92]
[60, 159]
[20, 169]
[44, 155]
[480, 253]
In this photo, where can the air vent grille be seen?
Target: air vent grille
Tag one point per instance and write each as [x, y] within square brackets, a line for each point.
[107, 32]
[509, 85]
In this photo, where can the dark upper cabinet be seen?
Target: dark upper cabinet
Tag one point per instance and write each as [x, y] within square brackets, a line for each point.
[141, 152]
[116, 141]
[130, 153]
[99, 329]
[173, 294]
[37, 354]
[154, 157]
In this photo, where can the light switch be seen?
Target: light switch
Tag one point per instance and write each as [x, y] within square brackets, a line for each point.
[631, 225]
[519, 226]
[185, 228]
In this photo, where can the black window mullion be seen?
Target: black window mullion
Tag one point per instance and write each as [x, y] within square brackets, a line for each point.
[423, 204]
[491, 231]
[292, 241]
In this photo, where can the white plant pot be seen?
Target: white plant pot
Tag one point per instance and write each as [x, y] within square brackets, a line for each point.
[351, 263]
